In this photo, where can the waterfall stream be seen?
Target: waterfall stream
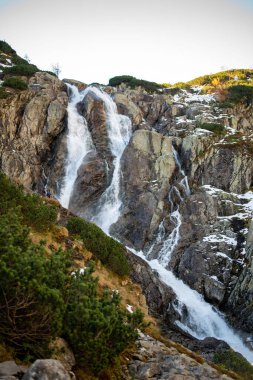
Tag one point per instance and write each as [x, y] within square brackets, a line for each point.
[198, 317]
[119, 129]
[79, 144]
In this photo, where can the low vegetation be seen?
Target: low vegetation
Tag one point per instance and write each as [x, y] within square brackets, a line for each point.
[134, 82]
[6, 48]
[3, 93]
[240, 93]
[21, 69]
[230, 87]
[224, 78]
[234, 361]
[42, 296]
[30, 207]
[213, 127]
[109, 251]
[15, 82]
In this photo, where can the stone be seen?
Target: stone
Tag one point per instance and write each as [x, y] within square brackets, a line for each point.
[127, 107]
[9, 369]
[47, 369]
[165, 362]
[30, 122]
[147, 165]
[63, 353]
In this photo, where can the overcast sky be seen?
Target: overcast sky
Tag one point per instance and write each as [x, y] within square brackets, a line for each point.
[157, 40]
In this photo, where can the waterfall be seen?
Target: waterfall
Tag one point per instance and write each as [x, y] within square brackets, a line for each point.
[198, 317]
[79, 143]
[119, 133]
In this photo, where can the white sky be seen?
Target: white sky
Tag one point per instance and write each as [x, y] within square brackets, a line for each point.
[156, 40]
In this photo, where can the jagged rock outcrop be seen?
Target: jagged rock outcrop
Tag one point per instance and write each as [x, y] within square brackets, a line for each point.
[30, 123]
[148, 165]
[240, 302]
[154, 360]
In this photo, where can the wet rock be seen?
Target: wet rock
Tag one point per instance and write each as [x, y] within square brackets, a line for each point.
[80, 85]
[92, 177]
[93, 109]
[158, 295]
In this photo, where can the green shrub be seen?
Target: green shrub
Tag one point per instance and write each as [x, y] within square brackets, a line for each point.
[40, 299]
[234, 361]
[213, 127]
[15, 82]
[31, 289]
[134, 82]
[6, 48]
[19, 61]
[240, 93]
[108, 250]
[35, 213]
[21, 69]
[96, 328]
[3, 93]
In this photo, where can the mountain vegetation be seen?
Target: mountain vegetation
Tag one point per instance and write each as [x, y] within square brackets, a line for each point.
[134, 82]
[43, 297]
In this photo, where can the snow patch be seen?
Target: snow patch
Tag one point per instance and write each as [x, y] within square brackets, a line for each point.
[219, 238]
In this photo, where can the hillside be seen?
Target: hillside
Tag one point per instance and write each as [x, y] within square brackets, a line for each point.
[165, 171]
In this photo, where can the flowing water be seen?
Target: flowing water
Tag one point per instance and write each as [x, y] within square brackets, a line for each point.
[198, 317]
[79, 144]
[119, 129]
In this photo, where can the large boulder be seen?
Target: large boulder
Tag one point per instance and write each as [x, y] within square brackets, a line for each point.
[47, 369]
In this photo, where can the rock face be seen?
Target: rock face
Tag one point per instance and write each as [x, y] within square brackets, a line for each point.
[30, 123]
[154, 360]
[148, 165]
[241, 299]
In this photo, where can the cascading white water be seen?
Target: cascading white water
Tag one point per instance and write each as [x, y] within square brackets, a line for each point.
[119, 133]
[201, 319]
[184, 181]
[79, 143]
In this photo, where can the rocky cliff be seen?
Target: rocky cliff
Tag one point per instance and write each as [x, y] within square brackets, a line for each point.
[187, 154]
